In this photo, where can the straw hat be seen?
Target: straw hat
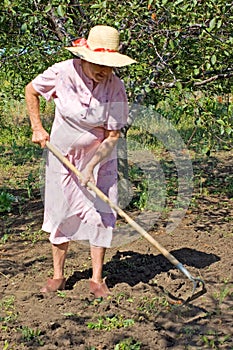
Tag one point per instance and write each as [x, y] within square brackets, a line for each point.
[101, 47]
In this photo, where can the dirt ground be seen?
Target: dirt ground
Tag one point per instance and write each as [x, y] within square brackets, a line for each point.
[144, 310]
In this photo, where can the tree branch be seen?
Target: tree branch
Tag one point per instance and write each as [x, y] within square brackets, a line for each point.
[58, 26]
[215, 77]
[196, 83]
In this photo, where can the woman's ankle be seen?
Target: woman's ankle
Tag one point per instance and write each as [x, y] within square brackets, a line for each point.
[97, 280]
[58, 276]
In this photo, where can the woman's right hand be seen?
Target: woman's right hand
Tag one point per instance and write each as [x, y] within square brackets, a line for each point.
[87, 176]
[40, 136]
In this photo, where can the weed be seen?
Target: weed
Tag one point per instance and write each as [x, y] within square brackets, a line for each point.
[147, 191]
[7, 308]
[123, 297]
[6, 201]
[29, 334]
[140, 187]
[30, 181]
[148, 306]
[6, 345]
[135, 172]
[8, 303]
[4, 238]
[128, 344]
[212, 339]
[189, 331]
[222, 294]
[152, 305]
[32, 237]
[109, 323]
[61, 294]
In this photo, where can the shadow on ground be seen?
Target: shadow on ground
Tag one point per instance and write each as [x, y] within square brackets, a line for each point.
[132, 267]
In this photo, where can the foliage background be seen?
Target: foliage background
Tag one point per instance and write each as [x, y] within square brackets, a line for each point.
[183, 49]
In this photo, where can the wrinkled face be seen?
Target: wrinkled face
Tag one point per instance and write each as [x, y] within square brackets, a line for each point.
[96, 72]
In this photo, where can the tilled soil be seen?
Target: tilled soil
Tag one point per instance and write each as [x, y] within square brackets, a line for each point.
[145, 310]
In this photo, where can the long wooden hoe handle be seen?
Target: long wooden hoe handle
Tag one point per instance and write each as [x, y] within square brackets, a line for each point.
[132, 223]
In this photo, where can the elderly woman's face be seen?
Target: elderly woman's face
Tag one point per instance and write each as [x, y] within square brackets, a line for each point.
[96, 72]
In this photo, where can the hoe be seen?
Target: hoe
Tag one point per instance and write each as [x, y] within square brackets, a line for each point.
[198, 284]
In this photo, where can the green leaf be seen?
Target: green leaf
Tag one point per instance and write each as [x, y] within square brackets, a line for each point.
[179, 85]
[219, 24]
[178, 2]
[212, 24]
[228, 130]
[171, 43]
[213, 59]
[24, 27]
[60, 11]
[48, 8]
[221, 122]
[95, 6]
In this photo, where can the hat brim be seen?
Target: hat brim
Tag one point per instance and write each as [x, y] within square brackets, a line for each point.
[110, 59]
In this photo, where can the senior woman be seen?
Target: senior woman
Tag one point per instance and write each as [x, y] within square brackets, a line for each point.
[91, 108]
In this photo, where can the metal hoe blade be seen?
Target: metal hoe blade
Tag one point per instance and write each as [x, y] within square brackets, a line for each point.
[196, 283]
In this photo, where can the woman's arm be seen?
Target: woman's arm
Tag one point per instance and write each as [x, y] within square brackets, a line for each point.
[39, 135]
[105, 149]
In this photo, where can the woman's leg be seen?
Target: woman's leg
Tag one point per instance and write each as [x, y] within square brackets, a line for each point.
[97, 257]
[59, 256]
[98, 286]
[58, 281]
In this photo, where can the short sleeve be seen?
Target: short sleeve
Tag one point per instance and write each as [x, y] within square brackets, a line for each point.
[118, 108]
[45, 83]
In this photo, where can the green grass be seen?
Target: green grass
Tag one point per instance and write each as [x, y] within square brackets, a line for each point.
[28, 334]
[31, 236]
[110, 323]
[128, 344]
[213, 340]
[8, 313]
[6, 201]
[224, 292]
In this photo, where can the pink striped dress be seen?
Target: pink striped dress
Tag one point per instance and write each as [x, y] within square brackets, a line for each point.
[71, 211]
